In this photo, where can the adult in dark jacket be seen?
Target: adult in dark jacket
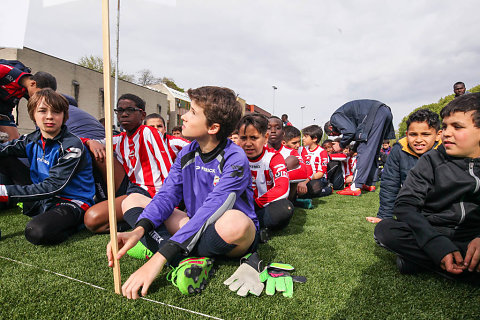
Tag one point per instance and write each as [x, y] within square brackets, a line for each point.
[81, 123]
[368, 122]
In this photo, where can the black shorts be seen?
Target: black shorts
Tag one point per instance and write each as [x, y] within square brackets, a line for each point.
[7, 120]
[133, 188]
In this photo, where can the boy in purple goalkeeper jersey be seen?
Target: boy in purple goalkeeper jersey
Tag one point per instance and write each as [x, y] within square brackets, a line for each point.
[213, 178]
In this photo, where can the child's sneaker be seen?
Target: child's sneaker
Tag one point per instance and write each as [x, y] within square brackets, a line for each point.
[191, 275]
[368, 188]
[139, 251]
[349, 192]
[304, 203]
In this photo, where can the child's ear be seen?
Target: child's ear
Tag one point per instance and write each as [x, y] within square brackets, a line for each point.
[439, 135]
[214, 129]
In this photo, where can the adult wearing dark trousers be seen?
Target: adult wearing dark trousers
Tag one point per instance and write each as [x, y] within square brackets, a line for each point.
[368, 123]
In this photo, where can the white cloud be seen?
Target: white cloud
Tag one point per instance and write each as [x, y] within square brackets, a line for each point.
[318, 54]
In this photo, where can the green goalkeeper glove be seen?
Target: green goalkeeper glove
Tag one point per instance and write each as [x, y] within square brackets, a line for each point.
[246, 279]
[278, 278]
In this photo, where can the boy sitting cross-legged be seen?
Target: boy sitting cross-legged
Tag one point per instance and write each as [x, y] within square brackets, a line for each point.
[213, 178]
[317, 158]
[438, 207]
[422, 135]
[62, 186]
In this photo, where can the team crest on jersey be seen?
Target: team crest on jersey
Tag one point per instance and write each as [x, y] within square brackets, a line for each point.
[216, 179]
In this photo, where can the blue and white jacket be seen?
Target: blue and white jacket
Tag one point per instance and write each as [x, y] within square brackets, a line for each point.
[60, 167]
[209, 184]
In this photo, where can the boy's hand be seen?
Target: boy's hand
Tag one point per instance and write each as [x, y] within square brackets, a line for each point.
[472, 257]
[143, 277]
[97, 149]
[302, 188]
[126, 241]
[453, 263]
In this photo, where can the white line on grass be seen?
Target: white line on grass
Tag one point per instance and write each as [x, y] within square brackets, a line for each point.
[97, 287]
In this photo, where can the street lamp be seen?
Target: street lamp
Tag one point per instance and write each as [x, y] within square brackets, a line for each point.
[273, 109]
[301, 109]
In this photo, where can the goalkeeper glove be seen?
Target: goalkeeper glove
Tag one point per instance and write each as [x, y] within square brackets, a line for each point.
[277, 276]
[246, 279]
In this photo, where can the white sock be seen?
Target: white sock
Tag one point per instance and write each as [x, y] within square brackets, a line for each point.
[352, 187]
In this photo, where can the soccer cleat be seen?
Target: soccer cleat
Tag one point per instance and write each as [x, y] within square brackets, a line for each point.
[191, 275]
[139, 251]
[349, 192]
[368, 188]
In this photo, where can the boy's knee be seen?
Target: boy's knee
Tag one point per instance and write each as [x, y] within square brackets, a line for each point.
[36, 233]
[134, 200]
[94, 219]
[383, 234]
[278, 214]
[234, 225]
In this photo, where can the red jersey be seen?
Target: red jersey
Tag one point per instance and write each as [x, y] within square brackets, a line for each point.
[269, 177]
[144, 156]
[298, 174]
[318, 160]
[306, 159]
[175, 144]
[11, 90]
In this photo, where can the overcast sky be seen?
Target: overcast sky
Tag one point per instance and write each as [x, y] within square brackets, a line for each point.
[318, 54]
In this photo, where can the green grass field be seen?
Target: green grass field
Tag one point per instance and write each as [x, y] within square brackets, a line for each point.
[349, 277]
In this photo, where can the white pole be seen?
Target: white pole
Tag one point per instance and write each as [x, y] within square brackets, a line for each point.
[108, 144]
[273, 109]
[301, 140]
[115, 94]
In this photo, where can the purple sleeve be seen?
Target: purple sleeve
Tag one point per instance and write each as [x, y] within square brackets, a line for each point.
[234, 180]
[167, 198]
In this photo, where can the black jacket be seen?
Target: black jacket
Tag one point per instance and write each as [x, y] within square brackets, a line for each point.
[399, 162]
[355, 119]
[440, 201]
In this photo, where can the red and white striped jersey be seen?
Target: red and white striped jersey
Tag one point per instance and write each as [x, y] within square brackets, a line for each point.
[175, 144]
[144, 156]
[318, 159]
[351, 166]
[298, 174]
[269, 177]
[302, 151]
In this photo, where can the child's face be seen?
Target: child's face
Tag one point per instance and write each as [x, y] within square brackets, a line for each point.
[251, 141]
[177, 133]
[156, 123]
[328, 147]
[460, 136]
[49, 121]
[293, 143]
[234, 138]
[275, 131]
[336, 147]
[195, 122]
[307, 140]
[129, 115]
[421, 137]
[385, 145]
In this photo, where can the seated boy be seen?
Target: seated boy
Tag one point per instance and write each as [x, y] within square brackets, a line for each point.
[317, 157]
[213, 178]
[142, 153]
[174, 143]
[422, 135]
[297, 170]
[60, 170]
[438, 206]
[269, 173]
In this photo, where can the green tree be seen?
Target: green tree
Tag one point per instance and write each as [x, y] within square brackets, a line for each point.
[435, 107]
[169, 82]
[96, 63]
